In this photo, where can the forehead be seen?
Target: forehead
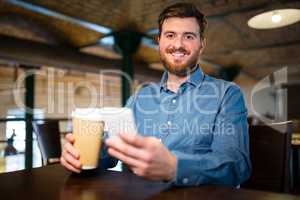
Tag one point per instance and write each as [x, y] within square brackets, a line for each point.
[177, 24]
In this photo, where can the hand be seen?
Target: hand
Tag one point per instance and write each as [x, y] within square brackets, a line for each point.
[145, 156]
[70, 156]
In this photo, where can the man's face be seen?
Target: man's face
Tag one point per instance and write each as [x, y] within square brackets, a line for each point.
[180, 44]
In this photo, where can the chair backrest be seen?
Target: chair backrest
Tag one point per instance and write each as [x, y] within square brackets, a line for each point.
[270, 153]
[48, 137]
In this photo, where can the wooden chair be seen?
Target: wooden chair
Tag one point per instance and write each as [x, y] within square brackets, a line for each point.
[270, 153]
[48, 137]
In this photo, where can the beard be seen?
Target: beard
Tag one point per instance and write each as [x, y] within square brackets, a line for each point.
[178, 67]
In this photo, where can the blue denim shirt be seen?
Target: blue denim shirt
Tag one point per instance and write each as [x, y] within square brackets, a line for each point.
[204, 124]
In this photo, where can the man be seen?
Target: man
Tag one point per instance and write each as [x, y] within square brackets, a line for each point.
[192, 128]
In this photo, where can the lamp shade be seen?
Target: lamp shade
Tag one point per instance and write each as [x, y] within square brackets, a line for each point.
[275, 19]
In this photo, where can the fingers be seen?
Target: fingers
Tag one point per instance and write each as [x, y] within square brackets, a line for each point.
[70, 162]
[70, 156]
[69, 148]
[70, 138]
[133, 139]
[69, 166]
[119, 145]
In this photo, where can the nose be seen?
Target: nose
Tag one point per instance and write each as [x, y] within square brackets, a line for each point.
[178, 42]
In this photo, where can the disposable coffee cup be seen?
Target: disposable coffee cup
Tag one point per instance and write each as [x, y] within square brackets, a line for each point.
[118, 120]
[88, 129]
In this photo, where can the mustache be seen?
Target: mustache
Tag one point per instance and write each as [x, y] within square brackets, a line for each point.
[179, 50]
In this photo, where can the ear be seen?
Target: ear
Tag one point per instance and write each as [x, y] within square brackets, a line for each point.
[157, 38]
[203, 45]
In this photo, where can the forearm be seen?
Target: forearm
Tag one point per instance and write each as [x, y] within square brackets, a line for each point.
[224, 168]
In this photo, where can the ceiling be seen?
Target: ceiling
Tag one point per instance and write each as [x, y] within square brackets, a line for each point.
[230, 42]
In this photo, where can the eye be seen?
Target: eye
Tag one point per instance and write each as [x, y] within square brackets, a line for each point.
[170, 35]
[189, 37]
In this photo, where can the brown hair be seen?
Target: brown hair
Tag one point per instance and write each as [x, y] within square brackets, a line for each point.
[183, 10]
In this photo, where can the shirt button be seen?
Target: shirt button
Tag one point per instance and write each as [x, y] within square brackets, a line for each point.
[185, 180]
[169, 123]
[174, 101]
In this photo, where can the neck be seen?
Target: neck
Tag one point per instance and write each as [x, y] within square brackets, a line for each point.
[174, 81]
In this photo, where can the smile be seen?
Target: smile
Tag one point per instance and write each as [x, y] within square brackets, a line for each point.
[178, 55]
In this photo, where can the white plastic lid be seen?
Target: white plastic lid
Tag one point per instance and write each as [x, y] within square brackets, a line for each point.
[92, 114]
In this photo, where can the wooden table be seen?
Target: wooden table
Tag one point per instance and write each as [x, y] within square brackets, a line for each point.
[54, 182]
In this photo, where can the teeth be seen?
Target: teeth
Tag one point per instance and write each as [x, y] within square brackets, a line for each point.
[178, 54]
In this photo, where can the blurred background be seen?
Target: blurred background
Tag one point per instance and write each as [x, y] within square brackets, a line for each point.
[57, 55]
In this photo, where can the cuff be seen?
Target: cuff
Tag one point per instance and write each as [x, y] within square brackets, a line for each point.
[186, 170]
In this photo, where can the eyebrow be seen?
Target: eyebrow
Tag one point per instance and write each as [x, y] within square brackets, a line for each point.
[192, 33]
[185, 33]
[166, 32]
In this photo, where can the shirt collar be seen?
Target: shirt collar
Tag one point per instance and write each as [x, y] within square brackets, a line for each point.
[195, 78]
